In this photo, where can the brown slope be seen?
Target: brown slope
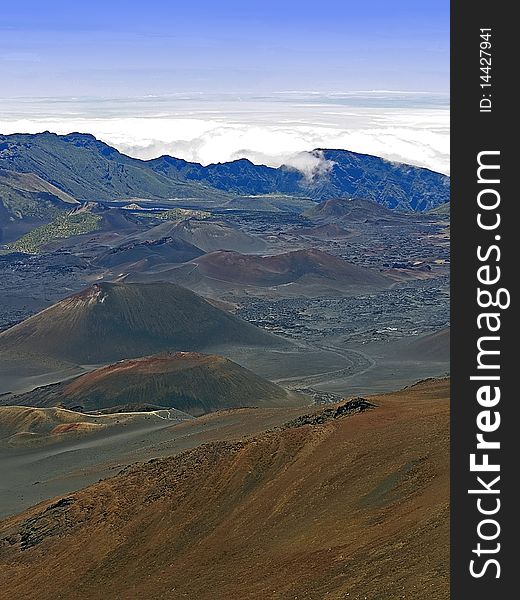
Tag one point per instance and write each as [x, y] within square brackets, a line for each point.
[24, 426]
[188, 381]
[357, 507]
[285, 268]
[112, 321]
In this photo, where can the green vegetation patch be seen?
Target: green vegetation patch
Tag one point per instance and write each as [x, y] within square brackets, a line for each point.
[64, 226]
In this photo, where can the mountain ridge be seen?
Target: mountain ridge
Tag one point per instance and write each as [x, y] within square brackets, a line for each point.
[89, 169]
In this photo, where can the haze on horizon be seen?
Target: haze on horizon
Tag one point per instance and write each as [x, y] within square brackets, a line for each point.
[215, 82]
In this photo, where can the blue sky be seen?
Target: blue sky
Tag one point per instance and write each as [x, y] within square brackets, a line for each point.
[58, 48]
[217, 80]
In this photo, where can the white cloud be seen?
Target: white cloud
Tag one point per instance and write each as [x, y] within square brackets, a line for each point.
[267, 131]
[311, 164]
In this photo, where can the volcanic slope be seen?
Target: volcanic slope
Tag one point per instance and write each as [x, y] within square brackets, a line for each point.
[89, 169]
[442, 210]
[204, 234]
[352, 210]
[25, 195]
[214, 235]
[27, 201]
[113, 321]
[306, 268]
[74, 228]
[434, 347]
[142, 255]
[24, 426]
[330, 506]
[190, 382]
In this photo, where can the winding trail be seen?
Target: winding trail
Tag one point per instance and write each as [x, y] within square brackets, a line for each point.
[357, 363]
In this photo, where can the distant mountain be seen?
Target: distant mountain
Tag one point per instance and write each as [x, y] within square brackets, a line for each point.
[88, 169]
[395, 185]
[91, 170]
[240, 176]
[114, 321]
[187, 381]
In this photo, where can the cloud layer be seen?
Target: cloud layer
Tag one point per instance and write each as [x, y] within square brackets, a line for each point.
[272, 131]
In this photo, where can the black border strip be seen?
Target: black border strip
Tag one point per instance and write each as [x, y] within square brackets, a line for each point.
[472, 132]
